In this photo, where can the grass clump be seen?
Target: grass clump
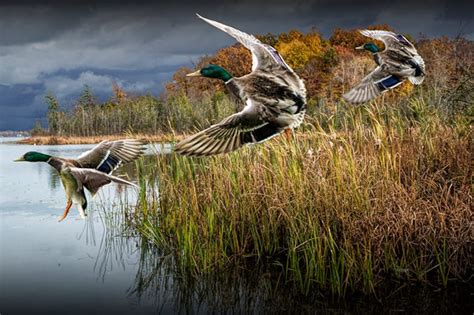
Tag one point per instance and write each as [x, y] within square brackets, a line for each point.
[360, 195]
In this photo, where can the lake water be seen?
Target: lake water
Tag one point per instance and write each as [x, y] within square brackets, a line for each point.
[63, 267]
[88, 267]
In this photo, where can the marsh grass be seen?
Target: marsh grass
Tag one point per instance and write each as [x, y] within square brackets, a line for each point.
[358, 196]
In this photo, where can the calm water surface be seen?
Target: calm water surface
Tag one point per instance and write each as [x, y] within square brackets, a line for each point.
[63, 267]
[89, 267]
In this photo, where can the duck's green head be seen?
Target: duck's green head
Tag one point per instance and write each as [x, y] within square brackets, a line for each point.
[370, 47]
[33, 156]
[212, 71]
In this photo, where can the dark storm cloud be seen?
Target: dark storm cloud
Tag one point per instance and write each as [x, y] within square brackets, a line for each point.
[16, 105]
[37, 23]
[57, 47]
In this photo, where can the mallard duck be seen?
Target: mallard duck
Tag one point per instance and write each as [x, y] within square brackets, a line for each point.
[274, 97]
[92, 169]
[398, 62]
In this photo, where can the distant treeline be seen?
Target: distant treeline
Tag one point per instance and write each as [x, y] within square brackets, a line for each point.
[13, 133]
[145, 114]
[328, 66]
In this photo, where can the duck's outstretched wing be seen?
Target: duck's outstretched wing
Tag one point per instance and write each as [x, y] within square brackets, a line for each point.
[390, 39]
[245, 127]
[93, 179]
[109, 155]
[376, 82]
[264, 57]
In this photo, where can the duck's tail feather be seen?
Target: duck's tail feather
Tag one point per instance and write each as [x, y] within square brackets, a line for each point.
[81, 209]
[416, 80]
[122, 181]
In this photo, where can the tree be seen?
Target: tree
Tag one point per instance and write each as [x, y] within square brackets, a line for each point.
[53, 113]
[38, 130]
[269, 39]
[236, 59]
[119, 95]
[317, 73]
[298, 49]
[87, 98]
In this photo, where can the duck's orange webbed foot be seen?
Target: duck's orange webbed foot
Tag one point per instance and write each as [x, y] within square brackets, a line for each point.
[66, 211]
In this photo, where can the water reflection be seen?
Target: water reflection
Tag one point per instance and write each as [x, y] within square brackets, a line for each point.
[262, 290]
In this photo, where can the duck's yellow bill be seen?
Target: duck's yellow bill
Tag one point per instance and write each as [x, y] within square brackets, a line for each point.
[194, 74]
[360, 47]
[21, 158]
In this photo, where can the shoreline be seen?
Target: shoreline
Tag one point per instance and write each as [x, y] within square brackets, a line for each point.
[62, 140]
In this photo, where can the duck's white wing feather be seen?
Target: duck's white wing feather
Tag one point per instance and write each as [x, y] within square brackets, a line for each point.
[108, 155]
[245, 127]
[263, 56]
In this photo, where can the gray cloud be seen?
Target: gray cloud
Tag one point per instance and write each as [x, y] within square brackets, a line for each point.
[19, 24]
[48, 46]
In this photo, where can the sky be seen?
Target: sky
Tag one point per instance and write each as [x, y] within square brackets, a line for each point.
[58, 48]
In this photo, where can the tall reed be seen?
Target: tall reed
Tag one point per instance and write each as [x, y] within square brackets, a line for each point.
[359, 195]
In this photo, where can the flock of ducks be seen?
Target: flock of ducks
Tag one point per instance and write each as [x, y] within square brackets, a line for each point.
[275, 102]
